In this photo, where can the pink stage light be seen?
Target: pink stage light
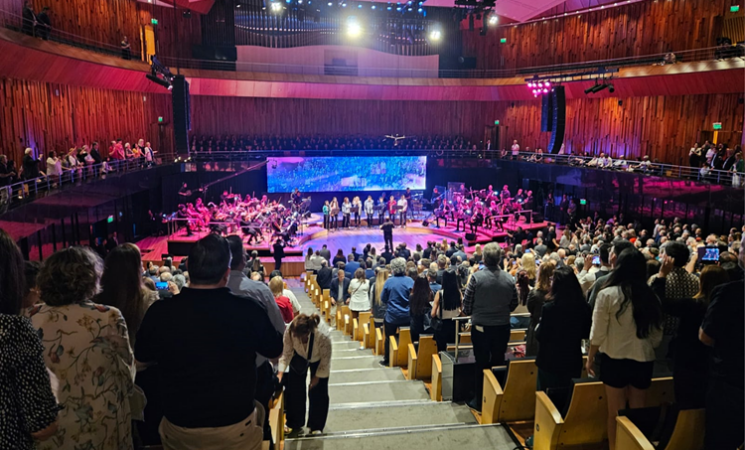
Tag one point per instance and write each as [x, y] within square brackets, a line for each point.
[545, 91]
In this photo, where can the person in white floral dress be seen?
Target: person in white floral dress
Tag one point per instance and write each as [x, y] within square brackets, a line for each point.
[87, 347]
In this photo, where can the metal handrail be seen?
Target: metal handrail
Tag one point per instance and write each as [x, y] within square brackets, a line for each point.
[619, 165]
[29, 188]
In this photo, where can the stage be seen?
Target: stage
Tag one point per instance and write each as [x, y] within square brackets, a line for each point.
[314, 236]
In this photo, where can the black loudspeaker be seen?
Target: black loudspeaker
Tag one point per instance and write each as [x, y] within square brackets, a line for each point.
[537, 217]
[547, 112]
[466, 62]
[470, 237]
[559, 119]
[181, 113]
[425, 223]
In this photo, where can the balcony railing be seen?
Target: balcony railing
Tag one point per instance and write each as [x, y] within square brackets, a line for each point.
[722, 177]
[30, 189]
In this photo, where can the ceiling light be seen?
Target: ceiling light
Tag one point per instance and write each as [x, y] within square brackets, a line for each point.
[493, 19]
[276, 7]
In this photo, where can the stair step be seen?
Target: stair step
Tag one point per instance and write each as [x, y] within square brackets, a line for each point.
[365, 375]
[369, 362]
[341, 345]
[413, 415]
[493, 437]
[378, 392]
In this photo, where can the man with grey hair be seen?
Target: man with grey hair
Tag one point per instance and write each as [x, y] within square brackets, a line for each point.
[442, 264]
[324, 275]
[395, 296]
[489, 299]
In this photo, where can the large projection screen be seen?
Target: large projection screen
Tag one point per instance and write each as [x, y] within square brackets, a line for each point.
[352, 173]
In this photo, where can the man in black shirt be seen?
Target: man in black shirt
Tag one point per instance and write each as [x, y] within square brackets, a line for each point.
[279, 253]
[205, 341]
[95, 154]
[6, 174]
[387, 255]
[387, 228]
[324, 275]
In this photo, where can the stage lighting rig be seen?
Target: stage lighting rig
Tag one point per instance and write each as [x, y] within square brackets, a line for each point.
[160, 74]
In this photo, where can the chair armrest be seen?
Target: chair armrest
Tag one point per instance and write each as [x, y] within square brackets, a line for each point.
[629, 437]
[548, 422]
[412, 365]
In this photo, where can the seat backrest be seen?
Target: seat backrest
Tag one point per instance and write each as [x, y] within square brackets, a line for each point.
[585, 421]
[404, 339]
[518, 402]
[427, 348]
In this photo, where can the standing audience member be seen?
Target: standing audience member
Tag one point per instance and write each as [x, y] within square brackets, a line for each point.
[447, 305]
[523, 291]
[565, 321]
[690, 356]
[277, 286]
[339, 290]
[378, 307]
[210, 405]
[43, 24]
[626, 328]
[307, 345]
[420, 308]
[29, 409]
[323, 277]
[536, 300]
[89, 349]
[722, 330]
[489, 299]
[126, 49]
[395, 296]
[359, 291]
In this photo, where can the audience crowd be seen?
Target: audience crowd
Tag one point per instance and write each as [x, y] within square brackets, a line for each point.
[150, 351]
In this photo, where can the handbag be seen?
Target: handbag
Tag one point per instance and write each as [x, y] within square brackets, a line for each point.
[300, 365]
[436, 322]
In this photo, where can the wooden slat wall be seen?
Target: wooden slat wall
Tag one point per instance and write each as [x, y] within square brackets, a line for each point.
[188, 29]
[57, 117]
[643, 28]
[661, 127]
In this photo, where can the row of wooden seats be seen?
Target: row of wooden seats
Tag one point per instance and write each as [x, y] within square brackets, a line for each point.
[687, 435]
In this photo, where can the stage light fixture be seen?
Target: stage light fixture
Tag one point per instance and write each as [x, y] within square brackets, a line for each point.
[354, 29]
[493, 19]
[276, 7]
[160, 81]
[435, 35]
[611, 89]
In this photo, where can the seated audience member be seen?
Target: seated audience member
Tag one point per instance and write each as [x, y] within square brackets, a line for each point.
[276, 285]
[210, 406]
[307, 345]
[626, 328]
[90, 348]
[286, 292]
[395, 294]
[31, 295]
[722, 330]
[323, 277]
[565, 321]
[339, 290]
[29, 408]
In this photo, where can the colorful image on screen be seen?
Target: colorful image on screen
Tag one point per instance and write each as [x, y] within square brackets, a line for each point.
[354, 173]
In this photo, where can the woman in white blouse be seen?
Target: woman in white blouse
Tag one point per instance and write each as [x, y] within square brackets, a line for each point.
[359, 289]
[307, 345]
[54, 167]
[626, 328]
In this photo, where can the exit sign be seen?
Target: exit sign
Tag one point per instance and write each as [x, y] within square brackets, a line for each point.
[496, 122]
[154, 21]
[503, 41]
[734, 8]
[160, 119]
[717, 125]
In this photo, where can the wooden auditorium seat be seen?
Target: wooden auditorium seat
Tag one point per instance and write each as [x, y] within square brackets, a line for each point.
[368, 332]
[514, 402]
[420, 358]
[398, 351]
[687, 434]
[379, 340]
[435, 391]
[584, 425]
[358, 333]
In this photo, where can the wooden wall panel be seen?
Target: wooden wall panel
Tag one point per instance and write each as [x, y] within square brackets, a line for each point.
[661, 127]
[57, 117]
[175, 35]
[638, 29]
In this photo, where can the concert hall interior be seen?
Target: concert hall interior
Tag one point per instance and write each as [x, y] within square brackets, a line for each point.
[316, 225]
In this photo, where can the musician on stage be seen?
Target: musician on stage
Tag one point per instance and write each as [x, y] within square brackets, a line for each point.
[387, 228]
[382, 206]
[346, 211]
[442, 213]
[369, 210]
[356, 210]
[436, 199]
[279, 252]
[334, 224]
[326, 214]
[403, 207]
[392, 209]
[476, 219]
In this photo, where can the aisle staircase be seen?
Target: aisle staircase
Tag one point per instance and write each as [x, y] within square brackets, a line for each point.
[375, 407]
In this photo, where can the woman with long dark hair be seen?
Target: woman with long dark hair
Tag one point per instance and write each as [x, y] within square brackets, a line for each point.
[626, 328]
[523, 290]
[565, 321]
[420, 307]
[122, 288]
[26, 399]
[536, 300]
[447, 305]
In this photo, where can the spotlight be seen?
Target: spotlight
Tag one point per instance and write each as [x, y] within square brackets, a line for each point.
[276, 7]
[545, 91]
[359, 6]
[354, 29]
[493, 19]
[155, 79]
[389, 8]
[435, 35]
[548, 84]
[372, 7]
[419, 10]
[330, 4]
[611, 89]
